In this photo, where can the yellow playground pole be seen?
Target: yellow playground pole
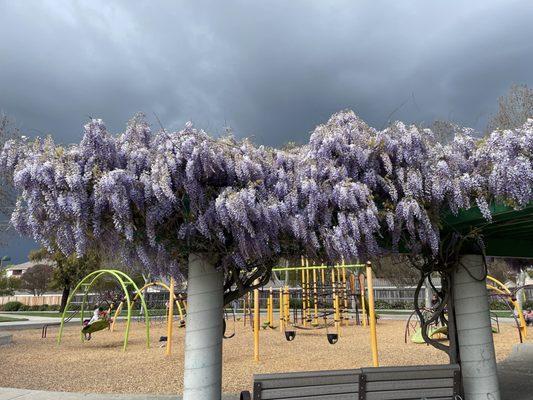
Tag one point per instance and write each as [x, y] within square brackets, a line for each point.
[362, 289]
[170, 318]
[281, 312]
[308, 293]
[270, 308]
[304, 303]
[372, 314]
[315, 298]
[502, 289]
[323, 291]
[117, 313]
[287, 305]
[256, 325]
[345, 296]
[335, 302]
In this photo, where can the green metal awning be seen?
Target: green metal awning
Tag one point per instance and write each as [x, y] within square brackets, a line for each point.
[510, 234]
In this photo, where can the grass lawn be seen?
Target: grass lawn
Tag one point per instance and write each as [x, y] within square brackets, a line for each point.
[87, 314]
[499, 313]
[9, 319]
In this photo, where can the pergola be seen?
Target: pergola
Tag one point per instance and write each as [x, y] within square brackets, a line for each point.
[509, 234]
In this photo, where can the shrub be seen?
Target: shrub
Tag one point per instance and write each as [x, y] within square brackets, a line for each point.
[24, 307]
[382, 305]
[12, 306]
[402, 305]
[295, 302]
[527, 305]
[498, 305]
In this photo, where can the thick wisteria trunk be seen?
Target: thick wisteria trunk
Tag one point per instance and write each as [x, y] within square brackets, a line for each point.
[474, 332]
[203, 334]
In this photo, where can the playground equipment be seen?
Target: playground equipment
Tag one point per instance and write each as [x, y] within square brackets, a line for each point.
[501, 291]
[125, 282]
[173, 299]
[328, 289]
[496, 289]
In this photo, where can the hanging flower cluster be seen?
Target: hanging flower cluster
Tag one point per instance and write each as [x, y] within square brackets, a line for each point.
[351, 192]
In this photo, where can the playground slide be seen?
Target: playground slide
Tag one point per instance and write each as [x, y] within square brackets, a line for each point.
[417, 336]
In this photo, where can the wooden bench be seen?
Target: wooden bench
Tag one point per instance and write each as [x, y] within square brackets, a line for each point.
[384, 383]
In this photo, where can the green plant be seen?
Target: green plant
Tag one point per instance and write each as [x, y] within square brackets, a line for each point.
[527, 305]
[381, 305]
[498, 305]
[12, 306]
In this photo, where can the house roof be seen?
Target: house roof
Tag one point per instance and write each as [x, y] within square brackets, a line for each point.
[29, 264]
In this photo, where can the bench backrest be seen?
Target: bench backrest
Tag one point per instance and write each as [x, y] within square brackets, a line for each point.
[412, 382]
[383, 383]
[315, 385]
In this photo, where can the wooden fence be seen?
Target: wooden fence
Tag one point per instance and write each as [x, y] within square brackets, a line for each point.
[29, 300]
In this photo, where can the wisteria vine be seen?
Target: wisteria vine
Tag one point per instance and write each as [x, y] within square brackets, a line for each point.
[351, 192]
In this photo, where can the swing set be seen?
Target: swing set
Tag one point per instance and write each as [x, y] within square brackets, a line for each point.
[331, 296]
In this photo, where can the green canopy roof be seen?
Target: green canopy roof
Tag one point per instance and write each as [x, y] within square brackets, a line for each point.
[510, 234]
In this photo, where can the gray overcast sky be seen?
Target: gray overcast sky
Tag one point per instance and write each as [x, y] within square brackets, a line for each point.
[271, 70]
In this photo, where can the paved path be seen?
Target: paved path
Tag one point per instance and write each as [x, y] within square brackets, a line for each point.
[516, 373]
[31, 323]
[23, 394]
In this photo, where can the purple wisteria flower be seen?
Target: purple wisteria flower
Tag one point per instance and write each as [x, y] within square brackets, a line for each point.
[351, 192]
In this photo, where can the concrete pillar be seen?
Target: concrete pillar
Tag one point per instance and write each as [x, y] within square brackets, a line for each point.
[203, 331]
[474, 332]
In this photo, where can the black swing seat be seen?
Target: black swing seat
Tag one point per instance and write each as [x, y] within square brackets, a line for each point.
[429, 382]
[290, 335]
[333, 338]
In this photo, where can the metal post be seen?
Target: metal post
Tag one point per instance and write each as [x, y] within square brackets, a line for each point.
[256, 323]
[170, 317]
[372, 314]
[362, 289]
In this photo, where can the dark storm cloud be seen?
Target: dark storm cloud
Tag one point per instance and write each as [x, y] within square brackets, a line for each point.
[271, 70]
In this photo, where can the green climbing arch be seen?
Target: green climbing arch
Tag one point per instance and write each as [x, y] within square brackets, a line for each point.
[125, 281]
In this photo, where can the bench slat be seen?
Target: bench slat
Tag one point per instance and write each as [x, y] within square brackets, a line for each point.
[409, 384]
[429, 367]
[346, 396]
[297, 392]
[308, 381]
[407, 375]
[305, 374]
[410, 394]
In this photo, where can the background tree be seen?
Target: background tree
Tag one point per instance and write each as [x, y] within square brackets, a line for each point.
[8, 285]
[68, 269]
[8, 131]
[500, 269]
[513, 109]
[37, 279]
